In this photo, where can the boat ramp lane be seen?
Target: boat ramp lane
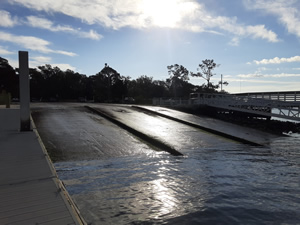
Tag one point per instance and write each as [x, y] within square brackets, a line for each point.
[155, 142]
[228, 130]
[30, 190]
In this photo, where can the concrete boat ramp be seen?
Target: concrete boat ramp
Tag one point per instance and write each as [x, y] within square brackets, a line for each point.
[30, 190]
[232, 131]
[121, 113]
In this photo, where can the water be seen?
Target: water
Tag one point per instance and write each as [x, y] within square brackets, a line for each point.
[230, 184]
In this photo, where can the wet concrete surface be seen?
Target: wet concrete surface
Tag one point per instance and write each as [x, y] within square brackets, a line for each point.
[70, 131]
[230, 130]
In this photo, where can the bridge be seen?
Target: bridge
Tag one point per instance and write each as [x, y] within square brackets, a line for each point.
[285, 105]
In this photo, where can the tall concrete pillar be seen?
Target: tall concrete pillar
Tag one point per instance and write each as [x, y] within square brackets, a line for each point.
[24, 91]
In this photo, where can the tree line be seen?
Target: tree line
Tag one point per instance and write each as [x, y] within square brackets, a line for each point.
[49, 83]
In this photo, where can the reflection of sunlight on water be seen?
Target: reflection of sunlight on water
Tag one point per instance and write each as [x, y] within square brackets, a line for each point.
[216, 184]
[165, 196]
[162, 191]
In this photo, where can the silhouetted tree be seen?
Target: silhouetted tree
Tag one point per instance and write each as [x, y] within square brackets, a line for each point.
[8, 79]
[53, 77]
[73, 85]
[177, 74]
[112, 78]
[140, 88]
[49, 83]
[37, 84]
[160, 89]
[205, 71]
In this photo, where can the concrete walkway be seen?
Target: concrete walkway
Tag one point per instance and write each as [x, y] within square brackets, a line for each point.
[30, 192]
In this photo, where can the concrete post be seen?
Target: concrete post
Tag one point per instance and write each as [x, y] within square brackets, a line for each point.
[24, 91]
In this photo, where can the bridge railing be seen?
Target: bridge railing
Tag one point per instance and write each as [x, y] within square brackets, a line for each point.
[289, 96]
[170, 101]
[244, 103]
[284, 105]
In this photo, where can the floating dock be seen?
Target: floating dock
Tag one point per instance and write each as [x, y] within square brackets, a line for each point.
[30, 190]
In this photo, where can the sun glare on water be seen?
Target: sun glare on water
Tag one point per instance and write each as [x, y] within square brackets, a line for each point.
[163, 13]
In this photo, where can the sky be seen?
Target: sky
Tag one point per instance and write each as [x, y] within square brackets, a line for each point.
[255, 43]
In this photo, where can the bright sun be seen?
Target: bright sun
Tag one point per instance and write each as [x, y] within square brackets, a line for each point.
[162, 13]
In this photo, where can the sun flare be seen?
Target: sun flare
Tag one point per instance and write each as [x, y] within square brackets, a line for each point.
[162, 13]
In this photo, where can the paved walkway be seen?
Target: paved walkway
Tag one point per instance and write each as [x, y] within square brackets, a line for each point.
[30, 192]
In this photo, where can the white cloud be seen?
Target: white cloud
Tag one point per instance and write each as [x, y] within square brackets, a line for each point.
[36, 61]
[235, 41]
[278, 60]
[43, 23]
[279, 75]
[32, 43]
[232, 26]
[3, 51]
[287, 12]
[42, 59]
[39, 60]
[260, 31]
[6, 19]
[64, 66]
[180, 14]
[64, 52]
[14, 63]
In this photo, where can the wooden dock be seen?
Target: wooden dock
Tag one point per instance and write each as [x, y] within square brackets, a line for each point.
[30, 191]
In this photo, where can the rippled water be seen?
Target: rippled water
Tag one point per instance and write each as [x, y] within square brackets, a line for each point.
[231, 184]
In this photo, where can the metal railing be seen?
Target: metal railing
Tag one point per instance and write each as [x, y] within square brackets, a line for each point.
[290, 96]
[272, 104]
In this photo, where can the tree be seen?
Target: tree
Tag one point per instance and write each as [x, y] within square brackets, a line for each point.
[73, 85]
[53, 77]
[8, 78]
[205, 70]
[177, 73]
[112, 77]
[38, 84]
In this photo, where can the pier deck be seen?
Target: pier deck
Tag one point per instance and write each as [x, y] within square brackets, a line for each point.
[30, 192]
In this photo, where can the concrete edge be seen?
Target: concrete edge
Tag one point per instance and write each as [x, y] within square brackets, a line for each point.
[71, 205]
[146, 138]
[222, 134]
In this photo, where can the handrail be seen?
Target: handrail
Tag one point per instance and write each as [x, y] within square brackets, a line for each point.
[262, 106]
[287, 107]
[281, 96]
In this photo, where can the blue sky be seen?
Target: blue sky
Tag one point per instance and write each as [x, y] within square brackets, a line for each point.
[256, 42]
